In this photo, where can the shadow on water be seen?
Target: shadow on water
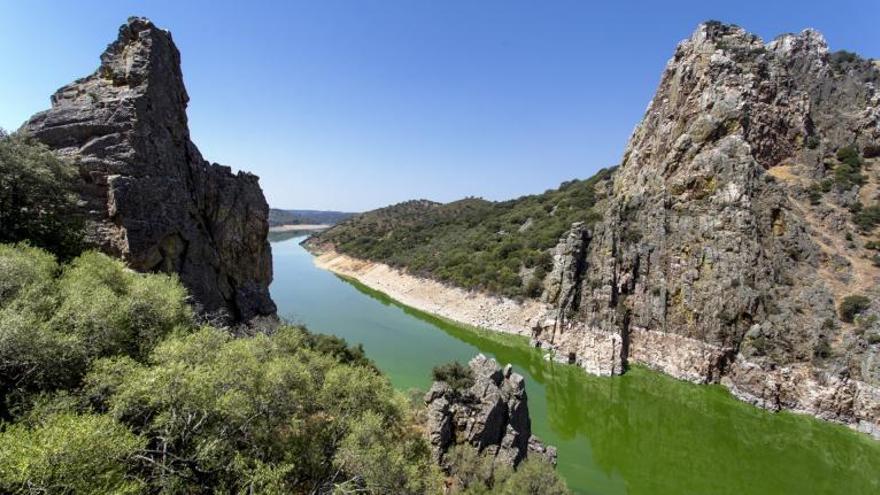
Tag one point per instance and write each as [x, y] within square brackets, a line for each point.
[641, 433]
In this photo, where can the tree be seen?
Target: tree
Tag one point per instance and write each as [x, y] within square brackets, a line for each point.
[37, 202]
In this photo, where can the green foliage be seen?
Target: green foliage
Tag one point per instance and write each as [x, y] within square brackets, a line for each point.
[69, 454]
[475, 474]
[867, 218]
[54, 321]
[338, 348]
[382, 462]
[849, 155]
[851, 306]
[37, 203]
[268, 410]
[812, 142]
[471, 243]
[455, 374]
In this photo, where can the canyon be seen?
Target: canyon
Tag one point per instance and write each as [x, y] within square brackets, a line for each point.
[728, 238]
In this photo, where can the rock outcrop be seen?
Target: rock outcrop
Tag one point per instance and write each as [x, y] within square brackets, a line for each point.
[491, 416]
[726, 243]
[150, 197]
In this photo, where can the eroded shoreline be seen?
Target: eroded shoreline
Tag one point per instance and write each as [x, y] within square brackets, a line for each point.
[805, 396]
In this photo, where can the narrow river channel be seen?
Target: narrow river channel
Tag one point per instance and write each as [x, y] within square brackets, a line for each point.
[641, 433]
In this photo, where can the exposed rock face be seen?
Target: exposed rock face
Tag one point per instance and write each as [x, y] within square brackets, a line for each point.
[151, 197]
[710, 264]
[492, 416]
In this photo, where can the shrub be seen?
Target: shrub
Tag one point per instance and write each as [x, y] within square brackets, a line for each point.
[117, 311]
[851, 306]
[37, 203]
[849, 155]
[871, 151]
[812, 142]
[54, 321]
[867, 218]
[473, 473]
[69, 454]
[846, 176]
[455, 374]
[264, 413]
[814, 193]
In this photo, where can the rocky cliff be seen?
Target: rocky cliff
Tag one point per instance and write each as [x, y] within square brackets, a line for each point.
[735, 227]
[150, 197]
[492, 415]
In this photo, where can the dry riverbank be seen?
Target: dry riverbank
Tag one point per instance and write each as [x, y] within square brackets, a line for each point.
[467, 307]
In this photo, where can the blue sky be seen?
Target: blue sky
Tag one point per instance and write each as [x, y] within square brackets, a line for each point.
[357, 104]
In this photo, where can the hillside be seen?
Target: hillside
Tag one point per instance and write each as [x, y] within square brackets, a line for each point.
[501, 247]
[736, 243]
[278, 217]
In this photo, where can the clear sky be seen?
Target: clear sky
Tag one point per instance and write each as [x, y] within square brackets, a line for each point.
[357, 104]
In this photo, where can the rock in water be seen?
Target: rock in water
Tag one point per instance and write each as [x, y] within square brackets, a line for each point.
[151, 197]
[491, 416]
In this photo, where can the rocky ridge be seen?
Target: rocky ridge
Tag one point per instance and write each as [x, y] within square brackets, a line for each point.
[149, 196]
[491, 416]
[727, 241]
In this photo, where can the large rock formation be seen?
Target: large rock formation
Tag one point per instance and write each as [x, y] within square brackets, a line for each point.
[151, 198]
[491, 416]
[726, 243]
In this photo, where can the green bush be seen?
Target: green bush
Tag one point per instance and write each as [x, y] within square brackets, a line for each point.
[263, 412]
[812, 142]
[455, 374]
[475, 474]
[37, 203]
[849, 155]
[70, 454]
[54, 321]
[117, 311]
[851, 306]
[867, 218]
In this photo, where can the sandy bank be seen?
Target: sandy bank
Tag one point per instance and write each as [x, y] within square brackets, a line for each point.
[294, 228]
[463, 306]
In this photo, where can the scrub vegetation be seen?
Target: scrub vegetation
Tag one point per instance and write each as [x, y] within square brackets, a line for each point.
[110, 386]
[499, 247]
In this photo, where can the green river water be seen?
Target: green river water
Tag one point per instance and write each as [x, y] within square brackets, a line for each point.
[641, 433]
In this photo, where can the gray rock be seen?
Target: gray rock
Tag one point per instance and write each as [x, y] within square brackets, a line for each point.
[150, 197]
[491, 416]
[705, 255]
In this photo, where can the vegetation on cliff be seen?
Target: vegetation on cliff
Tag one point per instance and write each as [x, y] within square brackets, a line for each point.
[500, 247]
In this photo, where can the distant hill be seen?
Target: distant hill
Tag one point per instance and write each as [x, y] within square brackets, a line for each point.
[306, 217]
[472, 242]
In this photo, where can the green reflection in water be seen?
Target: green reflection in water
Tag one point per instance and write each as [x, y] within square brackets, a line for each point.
[641, 433]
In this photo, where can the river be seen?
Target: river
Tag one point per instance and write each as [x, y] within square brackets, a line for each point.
[641, 433]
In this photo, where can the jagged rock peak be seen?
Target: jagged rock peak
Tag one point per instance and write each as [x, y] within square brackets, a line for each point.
[727, 241]
[491, 416]
[150, 197]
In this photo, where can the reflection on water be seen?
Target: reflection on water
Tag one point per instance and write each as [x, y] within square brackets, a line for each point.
[642, 433]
